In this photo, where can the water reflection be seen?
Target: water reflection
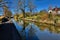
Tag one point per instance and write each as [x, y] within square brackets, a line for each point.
[42, 27]
[37, 31]
[28, 33]
[51, 28]
[44, 33]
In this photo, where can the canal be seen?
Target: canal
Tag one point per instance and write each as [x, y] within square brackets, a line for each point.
[33, 32]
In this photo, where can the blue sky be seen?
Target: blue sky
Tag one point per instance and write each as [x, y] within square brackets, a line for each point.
[40, 4]
[44, 4]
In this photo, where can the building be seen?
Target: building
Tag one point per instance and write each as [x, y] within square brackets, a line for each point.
[54, 11]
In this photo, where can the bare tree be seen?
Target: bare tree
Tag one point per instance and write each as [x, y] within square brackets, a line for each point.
[3, 5]
[21, 6]
[31, 5]
[7, 12]
[24, 4]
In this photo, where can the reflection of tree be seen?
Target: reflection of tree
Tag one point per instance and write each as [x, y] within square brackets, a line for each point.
[51, 28]
[54, 29]
[42, 26]
[57, 29]
[22, 5]
[17, 17]
[31, 31]
[26, 23]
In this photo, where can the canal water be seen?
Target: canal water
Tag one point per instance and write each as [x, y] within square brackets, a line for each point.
[33, 32]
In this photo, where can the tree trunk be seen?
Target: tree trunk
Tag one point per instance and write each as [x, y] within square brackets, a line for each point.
[23, 17]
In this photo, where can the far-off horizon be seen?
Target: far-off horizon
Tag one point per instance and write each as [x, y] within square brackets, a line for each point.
[29, 19]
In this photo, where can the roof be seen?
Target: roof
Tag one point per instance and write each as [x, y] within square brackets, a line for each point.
[57, 9]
